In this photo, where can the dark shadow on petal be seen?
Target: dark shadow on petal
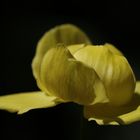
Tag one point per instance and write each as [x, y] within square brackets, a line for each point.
[109, 113]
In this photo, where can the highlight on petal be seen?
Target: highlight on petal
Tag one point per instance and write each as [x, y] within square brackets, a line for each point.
[74, 48]
[67, 34]
[137, 89]
[114, 70]
[105, 114]
[66, 78]
[23, 102]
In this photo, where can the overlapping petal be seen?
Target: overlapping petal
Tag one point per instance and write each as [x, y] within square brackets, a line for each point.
[67, 34]
[66, 78]
[23, 102]
[114, 70]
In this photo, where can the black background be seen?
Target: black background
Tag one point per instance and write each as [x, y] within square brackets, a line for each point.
[22, 25]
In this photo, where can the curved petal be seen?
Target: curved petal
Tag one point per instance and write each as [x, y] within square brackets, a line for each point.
[114, 70]
[106, 114]
[67, 34]
[70, 80]
[23, 102]
[113, 49]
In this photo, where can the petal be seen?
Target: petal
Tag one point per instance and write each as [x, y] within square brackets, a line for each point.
[114, 70]
[74, 48]
[137, 89]
[106, 114]
[23, 102]
[67, 34]
[70, 80]
[113, 49]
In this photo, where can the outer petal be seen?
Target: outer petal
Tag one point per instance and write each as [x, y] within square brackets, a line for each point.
[74, 48]
[70, 80]
[67, 34]
[23, 102]
[113, 49]
[114, 70]
[106, 114]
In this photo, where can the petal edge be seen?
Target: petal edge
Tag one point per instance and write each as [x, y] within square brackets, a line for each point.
[23, 102]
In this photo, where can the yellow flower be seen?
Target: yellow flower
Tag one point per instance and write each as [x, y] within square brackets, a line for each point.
[68, 68]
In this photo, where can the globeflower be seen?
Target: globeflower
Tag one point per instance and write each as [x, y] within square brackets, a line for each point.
[69, 68]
